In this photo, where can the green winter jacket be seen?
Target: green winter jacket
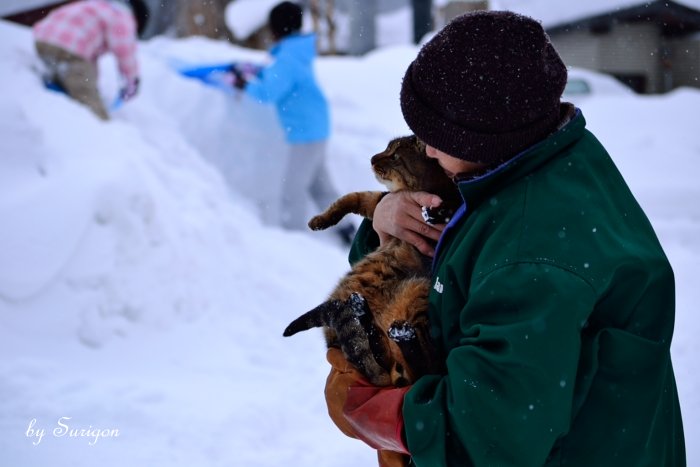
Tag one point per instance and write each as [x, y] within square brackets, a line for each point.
[553, 303]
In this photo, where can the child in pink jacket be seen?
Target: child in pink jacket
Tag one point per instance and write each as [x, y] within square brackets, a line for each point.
[72, 38]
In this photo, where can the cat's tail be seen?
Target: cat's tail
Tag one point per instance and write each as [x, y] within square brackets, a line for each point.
[355, 334]
[319, 316]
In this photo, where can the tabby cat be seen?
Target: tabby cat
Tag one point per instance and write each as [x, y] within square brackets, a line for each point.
[377, 314]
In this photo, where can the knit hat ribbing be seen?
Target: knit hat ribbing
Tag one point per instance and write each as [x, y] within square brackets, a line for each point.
[487, 86]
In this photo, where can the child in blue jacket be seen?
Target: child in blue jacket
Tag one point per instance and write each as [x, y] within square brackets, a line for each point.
[290, 84]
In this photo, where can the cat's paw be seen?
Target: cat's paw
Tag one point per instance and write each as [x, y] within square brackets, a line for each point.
[401, 331]
[357, 304]
[434, 216]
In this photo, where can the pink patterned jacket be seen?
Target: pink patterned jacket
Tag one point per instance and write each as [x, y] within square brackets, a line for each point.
[90, 28]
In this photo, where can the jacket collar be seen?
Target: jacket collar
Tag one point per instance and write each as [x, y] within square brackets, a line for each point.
[475, 190]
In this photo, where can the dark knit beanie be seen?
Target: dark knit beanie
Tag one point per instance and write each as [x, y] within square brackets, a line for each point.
[285, 18]
[487, 86]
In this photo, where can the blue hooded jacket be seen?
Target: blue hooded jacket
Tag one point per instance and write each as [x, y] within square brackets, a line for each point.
[290, 84]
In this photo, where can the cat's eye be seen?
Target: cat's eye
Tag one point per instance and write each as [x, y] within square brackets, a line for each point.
[395, 156]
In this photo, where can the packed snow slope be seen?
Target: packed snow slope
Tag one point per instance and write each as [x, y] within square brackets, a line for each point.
[144, 287]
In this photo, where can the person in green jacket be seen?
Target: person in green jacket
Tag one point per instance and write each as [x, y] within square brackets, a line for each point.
[552, 300]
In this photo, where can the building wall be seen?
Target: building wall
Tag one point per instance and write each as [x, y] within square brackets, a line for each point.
[627, 50]
[202, 18]
[454, 8]
[578, 48]
[686, 62]
[13, 7]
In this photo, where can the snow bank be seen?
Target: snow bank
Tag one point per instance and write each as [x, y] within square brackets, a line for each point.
[144, 287]
[140, 289]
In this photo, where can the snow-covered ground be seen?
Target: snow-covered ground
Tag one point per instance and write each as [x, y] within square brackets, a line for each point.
[144, 287]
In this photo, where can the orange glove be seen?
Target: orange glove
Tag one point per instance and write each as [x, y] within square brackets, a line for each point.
[362, 411]
[339, 380]
[374, 413]
[392, 459]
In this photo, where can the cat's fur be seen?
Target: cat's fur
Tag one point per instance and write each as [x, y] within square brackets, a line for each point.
[378, 312]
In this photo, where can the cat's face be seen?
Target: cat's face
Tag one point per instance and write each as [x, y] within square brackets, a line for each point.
[403, 165]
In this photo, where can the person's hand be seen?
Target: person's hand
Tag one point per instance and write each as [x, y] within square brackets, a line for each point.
[129, 90]
[369, 413]
[239, 80]
[399, 215]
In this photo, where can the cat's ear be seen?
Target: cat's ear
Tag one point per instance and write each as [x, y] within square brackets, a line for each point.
[420, 145]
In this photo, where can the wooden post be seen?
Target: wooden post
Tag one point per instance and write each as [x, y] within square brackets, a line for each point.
[202, 18]
[324, 12]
